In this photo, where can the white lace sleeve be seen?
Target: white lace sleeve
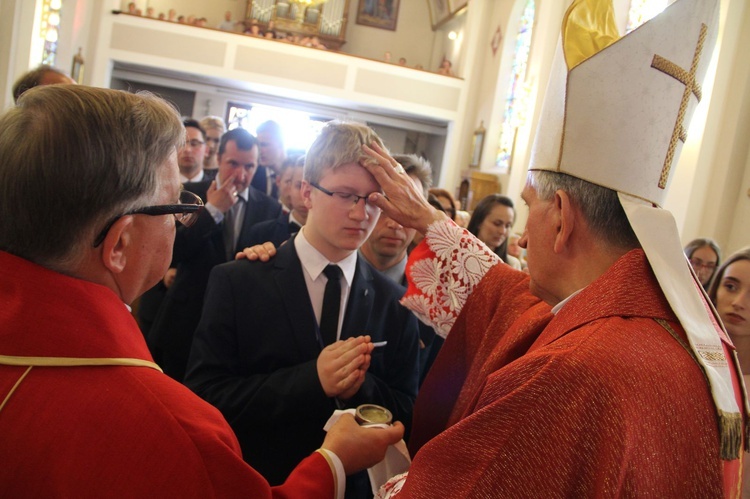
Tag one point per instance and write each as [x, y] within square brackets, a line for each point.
[443, 275]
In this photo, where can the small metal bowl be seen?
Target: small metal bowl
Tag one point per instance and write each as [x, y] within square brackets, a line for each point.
[370, 414]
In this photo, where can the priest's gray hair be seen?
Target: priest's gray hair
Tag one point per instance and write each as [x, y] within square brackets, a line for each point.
[600, 206]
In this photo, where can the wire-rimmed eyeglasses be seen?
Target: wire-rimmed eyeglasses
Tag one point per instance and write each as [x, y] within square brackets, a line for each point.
[698, 263]
[186, 213]
[347, 200]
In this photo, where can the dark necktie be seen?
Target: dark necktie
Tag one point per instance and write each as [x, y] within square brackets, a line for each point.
[294, 227]
[329, 316]
[232, 220]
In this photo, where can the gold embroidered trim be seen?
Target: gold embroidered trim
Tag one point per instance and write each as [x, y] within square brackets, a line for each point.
[16, 385]
[677, 337]
[730, 426]
[691, 87]
[10, 360]
[713, 356]
[730, 423]
[333, 471]
[738, 488]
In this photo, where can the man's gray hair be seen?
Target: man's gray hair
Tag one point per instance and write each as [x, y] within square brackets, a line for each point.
[71, 159]
[600, 206]
[417, 167]
[339, 143]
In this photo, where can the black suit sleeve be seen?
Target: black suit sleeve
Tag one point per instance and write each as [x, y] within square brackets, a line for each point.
[190, 242]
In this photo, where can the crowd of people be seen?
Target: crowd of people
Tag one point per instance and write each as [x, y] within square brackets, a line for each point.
[581, 358]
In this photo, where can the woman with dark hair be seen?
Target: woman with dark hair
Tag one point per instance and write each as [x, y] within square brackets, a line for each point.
[704, 256]
[492, 222]
[730, 293]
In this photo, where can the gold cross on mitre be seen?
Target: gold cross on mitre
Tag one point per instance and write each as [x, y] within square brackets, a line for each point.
[691, 86]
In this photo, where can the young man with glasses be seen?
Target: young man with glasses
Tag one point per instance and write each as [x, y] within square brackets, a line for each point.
[90, 194]
[194, 151]
[313, 330]
[233, 207]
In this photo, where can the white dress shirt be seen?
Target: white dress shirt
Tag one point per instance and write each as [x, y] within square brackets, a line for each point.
[313, 263]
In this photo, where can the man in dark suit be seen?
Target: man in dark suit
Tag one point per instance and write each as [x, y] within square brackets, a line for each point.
[191, 155]
[190, 158]
[232, 208]
[279, 230]
[386, 250]
[270, 351]
[272, 154]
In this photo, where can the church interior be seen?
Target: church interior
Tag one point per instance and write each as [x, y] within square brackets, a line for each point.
[460, 82]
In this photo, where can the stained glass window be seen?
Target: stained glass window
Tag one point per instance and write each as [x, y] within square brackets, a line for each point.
[237, 115]
[515, 103]
[643, 10]
[50, 29]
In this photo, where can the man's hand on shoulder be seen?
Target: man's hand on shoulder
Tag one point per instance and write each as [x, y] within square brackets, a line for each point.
[262, 252]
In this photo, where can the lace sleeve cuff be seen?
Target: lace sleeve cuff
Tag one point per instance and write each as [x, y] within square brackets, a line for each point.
[443, 271]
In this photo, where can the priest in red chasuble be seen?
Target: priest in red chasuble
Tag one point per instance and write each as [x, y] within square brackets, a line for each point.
[603, 373]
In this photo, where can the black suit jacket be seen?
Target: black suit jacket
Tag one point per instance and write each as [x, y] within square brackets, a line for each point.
[260, 182]
[255, 352]
[197, 250]
[276, 231]
[430, 346]
[209, 175]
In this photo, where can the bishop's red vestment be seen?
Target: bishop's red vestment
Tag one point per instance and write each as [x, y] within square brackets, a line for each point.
[602, 399]
[121, 429]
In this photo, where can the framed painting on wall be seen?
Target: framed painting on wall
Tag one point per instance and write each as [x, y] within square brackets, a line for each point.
[440, 12]
[456, 5]
[378, 13]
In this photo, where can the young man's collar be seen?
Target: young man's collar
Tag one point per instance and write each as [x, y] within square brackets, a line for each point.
[314, 262]
[197, 178]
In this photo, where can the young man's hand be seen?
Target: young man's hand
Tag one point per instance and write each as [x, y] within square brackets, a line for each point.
[342, 366]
